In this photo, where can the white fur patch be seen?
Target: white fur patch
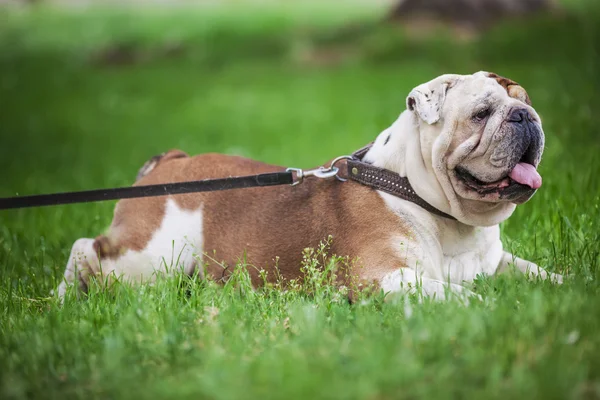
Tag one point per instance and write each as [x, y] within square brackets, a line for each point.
[442, 249]
[82, 260]
[400, 279]
[175, 246]
[407, 281]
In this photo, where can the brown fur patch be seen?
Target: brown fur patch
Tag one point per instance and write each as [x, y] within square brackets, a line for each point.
[513, 89]
[270, 227]
[105, 249]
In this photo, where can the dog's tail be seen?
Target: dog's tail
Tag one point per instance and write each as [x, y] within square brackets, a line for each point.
[153, 162]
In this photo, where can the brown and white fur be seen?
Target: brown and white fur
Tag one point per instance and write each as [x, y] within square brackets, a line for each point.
[396, 244]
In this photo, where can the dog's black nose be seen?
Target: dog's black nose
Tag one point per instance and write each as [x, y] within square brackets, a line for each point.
[519, 115]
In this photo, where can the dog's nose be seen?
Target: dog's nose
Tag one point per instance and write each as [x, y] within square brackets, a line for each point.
[519, 115]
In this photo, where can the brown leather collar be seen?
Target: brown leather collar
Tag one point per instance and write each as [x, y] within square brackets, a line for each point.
[385, 180]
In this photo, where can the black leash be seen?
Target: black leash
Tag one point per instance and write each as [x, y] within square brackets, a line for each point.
[207, 185]
[357, 170]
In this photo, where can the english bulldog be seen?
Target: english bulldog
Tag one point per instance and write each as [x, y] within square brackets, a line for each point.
[469, 145]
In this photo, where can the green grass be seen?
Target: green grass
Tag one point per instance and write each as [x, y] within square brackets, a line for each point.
[240, 87]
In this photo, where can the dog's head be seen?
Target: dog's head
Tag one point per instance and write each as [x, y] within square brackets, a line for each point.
[482, 139]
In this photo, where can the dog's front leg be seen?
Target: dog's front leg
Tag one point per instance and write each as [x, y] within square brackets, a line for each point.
[527, 268]
[406, 281]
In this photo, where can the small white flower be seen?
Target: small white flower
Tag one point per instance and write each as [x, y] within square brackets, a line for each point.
[572, 337]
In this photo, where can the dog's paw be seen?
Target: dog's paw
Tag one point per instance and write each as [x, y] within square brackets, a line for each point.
[59, 292]
[557, 279]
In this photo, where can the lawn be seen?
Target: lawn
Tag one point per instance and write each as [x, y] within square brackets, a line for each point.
[87, 97]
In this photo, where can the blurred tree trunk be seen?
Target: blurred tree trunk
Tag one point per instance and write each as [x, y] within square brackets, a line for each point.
[473, 13]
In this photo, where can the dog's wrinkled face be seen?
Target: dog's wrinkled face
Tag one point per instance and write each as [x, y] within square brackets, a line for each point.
[485, 137]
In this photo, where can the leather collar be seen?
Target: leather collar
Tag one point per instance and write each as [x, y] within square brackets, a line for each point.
[385, 180]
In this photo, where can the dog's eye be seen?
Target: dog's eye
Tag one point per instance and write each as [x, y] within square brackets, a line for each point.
[483, 114]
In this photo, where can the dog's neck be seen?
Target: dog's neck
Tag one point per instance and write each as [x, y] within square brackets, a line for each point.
[400, 148]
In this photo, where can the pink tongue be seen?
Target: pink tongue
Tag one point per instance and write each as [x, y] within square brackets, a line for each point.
[526, 174]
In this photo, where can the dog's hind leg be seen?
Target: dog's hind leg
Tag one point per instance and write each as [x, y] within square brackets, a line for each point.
[82, 263]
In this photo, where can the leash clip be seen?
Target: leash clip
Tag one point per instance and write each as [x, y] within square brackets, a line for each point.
[321, 172]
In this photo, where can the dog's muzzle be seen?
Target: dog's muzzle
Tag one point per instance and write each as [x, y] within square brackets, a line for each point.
[512, 160]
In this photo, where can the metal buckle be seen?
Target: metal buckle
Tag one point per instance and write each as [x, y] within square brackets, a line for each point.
[299, 175]
[340, 158]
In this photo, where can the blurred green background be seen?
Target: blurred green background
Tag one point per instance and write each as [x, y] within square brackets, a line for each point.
[90, 91]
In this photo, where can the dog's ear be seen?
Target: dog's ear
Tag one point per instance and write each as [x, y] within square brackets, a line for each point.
[513, 89]
[426, 100]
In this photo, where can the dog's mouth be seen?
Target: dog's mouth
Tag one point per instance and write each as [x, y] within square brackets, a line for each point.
[522, 179]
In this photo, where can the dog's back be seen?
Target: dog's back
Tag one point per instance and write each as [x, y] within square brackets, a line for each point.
[263, 227]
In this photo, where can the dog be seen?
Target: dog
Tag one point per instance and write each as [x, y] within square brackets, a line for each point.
[469, 145]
